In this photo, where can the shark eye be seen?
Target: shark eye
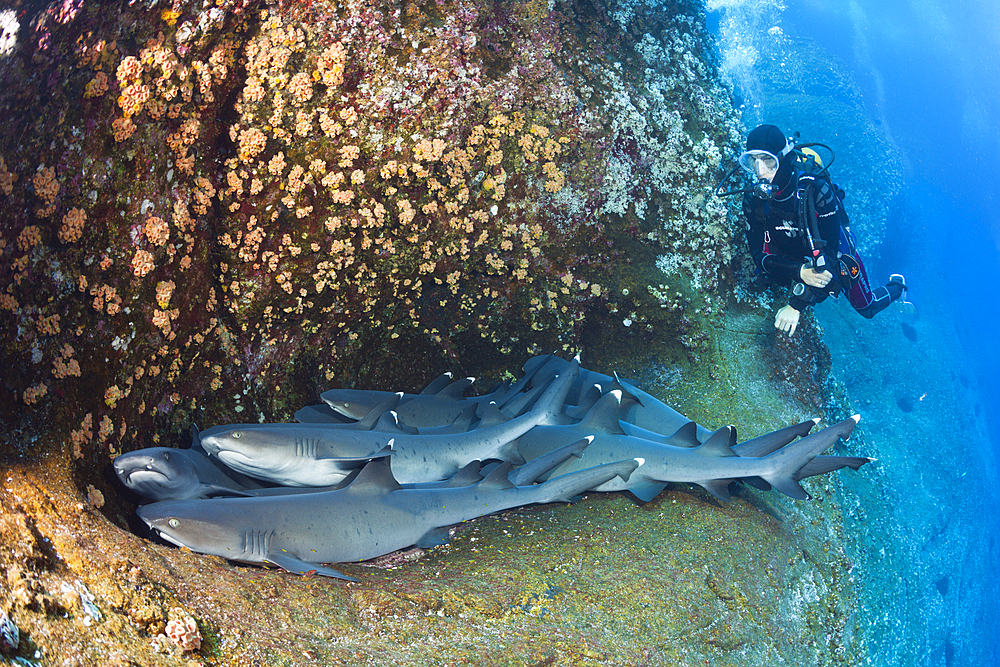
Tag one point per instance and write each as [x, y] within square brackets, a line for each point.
[173, 523]
[237, 434]
[346, 404]
[166, 456]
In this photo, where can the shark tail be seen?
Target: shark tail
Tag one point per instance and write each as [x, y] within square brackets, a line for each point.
[793, 458]
[565, 487]
[824, 464]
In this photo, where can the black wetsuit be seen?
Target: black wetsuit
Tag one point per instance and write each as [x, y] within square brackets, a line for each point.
[780, 246]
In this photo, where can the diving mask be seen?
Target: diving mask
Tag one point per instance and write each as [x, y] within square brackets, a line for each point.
[759, 164]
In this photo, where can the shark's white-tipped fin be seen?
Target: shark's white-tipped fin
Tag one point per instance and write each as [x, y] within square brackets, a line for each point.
[640, 460]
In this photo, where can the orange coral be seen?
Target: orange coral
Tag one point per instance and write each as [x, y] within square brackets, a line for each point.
[157, 230]
[252, 141]
[47, 188]
[142, 263]
[29, 237]
[6, 178]
[35, 393]
[123, 128]
[301, 87]
[48, 326]
[72, 227]
[330, 64]
[164, 290]
[97, 87]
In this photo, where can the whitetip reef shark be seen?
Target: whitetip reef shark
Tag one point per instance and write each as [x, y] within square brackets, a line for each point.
[317, 455]
[372, 516]
[712, 464]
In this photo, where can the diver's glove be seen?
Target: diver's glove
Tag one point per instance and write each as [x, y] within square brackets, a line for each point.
[787, 319]
[814, 278]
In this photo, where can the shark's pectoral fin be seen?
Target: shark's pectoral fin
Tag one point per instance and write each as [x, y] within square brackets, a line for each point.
[434, 537]
[717, 487]
[646, 491]
[286, 561]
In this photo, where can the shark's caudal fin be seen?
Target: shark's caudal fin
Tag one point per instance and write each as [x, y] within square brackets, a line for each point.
[548, 408]
[520, 403]
[792, 458]
[824, 464]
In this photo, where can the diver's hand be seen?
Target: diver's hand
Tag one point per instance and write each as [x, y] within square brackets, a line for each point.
[787, 319]
[814, 278]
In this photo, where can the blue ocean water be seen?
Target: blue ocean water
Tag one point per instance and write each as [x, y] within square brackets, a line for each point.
[910, 87]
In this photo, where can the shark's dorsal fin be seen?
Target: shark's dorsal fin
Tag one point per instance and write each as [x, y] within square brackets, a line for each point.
[376, 474]
[720, 444]
[389, 423]
[196, 439]
[603, 417]
[437, 384]
[457, 388]
[463, 422]
[685, 436]
[533, 364]
[629, 392]
[498, 479]
[491, 416]
[466, 476]
[388, 403]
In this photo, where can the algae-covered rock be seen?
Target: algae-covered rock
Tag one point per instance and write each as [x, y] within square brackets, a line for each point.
[213, 213]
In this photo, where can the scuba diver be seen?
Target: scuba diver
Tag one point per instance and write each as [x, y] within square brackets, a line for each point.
[798, 230]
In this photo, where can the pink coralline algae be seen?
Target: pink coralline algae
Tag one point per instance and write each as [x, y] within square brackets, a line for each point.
[183, 631]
